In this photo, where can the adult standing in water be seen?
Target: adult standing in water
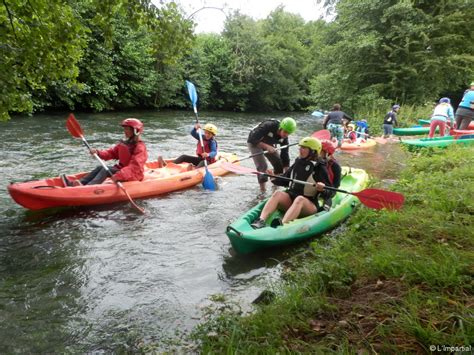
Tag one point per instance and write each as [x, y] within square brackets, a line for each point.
[262, 140]
[465, 111]
[334, 122]
[390, 120]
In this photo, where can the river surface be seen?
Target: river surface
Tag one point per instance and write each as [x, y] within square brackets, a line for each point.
[107, 279]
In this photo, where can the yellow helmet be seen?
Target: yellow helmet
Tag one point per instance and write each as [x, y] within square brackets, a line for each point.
[311, 143]
[351, 125]
[211, 128]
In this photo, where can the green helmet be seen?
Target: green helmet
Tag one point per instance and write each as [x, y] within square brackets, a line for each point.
[311, 143]
[288, 124]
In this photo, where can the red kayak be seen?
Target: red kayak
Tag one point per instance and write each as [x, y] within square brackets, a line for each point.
[47, 193]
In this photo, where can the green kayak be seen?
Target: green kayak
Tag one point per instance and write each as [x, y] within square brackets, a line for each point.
[245, 239]
[438, 142]
[412, 131]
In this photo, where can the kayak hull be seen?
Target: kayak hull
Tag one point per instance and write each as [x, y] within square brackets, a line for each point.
[437, 142]
[369, 143]
[428, 122]
[412, 131]
[245, 239]
[48, 193]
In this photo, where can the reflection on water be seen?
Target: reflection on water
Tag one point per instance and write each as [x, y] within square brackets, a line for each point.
[109, 279]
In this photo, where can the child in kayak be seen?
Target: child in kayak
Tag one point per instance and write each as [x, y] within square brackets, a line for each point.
[299, 200]
[131, 154]
[209, 152]
[351, 134]
[362, 130]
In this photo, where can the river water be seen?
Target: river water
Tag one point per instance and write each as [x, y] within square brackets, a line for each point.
[109, 279]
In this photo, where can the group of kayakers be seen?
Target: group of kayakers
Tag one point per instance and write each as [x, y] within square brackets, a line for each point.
[315, 165]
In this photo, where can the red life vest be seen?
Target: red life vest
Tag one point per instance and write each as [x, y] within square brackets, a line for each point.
[207, 149]
[330, 162]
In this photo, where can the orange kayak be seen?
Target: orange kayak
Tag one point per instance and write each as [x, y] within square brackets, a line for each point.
[47, 193]
[361, 145]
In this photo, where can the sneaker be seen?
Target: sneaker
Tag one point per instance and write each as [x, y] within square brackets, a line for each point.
[65, 180]
[276, 223]
[327, 204]
[259, 223]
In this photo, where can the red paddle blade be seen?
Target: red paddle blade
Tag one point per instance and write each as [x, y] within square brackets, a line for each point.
[238, 169]
[378, 199]
[323, 134]
[74, 127]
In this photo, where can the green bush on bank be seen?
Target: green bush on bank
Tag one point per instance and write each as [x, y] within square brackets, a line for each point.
[394, 281]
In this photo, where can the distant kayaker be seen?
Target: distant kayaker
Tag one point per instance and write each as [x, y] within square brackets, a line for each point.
[264, 138]
[210, 146]
[299, 200]
[390, 120]
[362, 129]
[351, 134]
[465, 110]
[335, 122]
[441, 113]
[131, 154]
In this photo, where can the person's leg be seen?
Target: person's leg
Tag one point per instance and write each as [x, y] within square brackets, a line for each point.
[339, 135]
[466, 120]
[279, 200]
[260, 164]
[276, 162]
[187, 159]
[390, 130]
[87, 178]
[433, 125]
[101, 175]
[459, 119]
[442, 128]
[301, 207]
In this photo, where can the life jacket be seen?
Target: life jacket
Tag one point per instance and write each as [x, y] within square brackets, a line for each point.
[125, 150]
[330, 162]
[207, 149]
[351, 135]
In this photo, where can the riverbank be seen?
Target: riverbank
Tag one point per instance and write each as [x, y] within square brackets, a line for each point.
[390, 282]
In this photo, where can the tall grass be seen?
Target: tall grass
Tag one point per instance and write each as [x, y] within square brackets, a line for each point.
[392, 282]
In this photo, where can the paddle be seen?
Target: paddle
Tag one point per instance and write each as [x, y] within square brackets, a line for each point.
[373, 198]
[75, 129]
[323, 134]
[208, 181]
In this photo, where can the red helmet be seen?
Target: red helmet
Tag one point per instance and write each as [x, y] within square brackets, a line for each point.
[328, 147]
[136, 124]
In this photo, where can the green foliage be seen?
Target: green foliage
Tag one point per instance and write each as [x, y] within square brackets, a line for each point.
[393, 281]
[41, 42]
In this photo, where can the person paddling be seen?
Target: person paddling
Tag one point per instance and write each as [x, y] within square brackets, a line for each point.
[299, 200]
[389, 121]
[265, 137]
[210, 146]
[131, 154]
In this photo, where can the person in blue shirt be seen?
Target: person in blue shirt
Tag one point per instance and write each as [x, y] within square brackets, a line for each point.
[209, 152]
[441, 113]
[465, 111]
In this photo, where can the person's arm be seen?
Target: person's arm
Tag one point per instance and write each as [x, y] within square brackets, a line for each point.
[321, 175]
[347, 117]
[336, 169]
[136, 166]
[283, 182]
[194, 133]
[108, 154]
[213, 146]
[325, 123]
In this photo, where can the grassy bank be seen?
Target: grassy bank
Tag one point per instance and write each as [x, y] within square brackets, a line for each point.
[392, 282]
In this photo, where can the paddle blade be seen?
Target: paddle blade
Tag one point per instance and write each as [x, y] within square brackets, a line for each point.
[378, 199]
[238, 169]
[192, 92]
[74, 127]
[322, 135]
[208, 182]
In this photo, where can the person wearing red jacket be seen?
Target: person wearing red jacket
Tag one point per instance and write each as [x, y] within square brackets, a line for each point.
[131, 154]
